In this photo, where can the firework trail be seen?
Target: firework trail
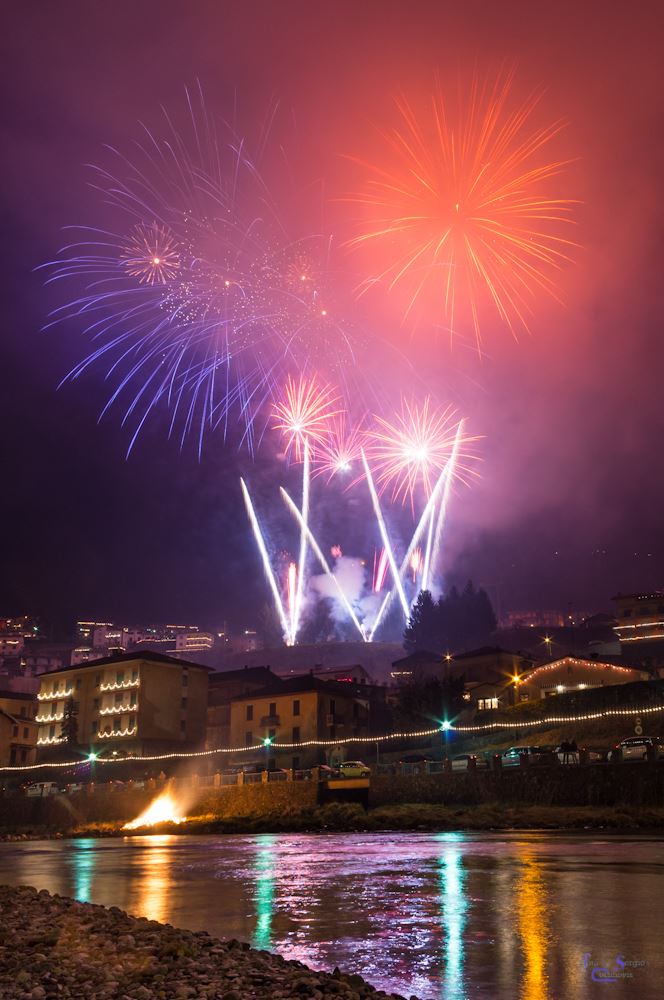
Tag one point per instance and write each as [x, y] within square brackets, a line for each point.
[416, 563]
[324, 563]
[292, 588]
[380, 571]
[466, 213]
[433, 553]
[384, 535]
[303, 543]
[194, 296]
[266, 563]
[339, 450]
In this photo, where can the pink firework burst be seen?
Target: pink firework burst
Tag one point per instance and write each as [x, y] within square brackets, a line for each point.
[411, 451]
[304, 414]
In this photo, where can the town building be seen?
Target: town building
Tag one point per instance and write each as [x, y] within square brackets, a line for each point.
[418, 666]
[18, 729]
[298, 711]
[572, 673]
[640, 617]
[141, 702]
[489, 664]
[222, 688]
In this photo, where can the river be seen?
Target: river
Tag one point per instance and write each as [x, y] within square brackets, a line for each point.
[446, 916]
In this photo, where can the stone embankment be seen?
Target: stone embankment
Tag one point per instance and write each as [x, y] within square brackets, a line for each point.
[53, 947]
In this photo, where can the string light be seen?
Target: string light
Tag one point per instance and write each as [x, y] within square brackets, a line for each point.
[120, 686]
[118, 709]
[443, 727]
[55, 695]
[56, 717]
[106, 734]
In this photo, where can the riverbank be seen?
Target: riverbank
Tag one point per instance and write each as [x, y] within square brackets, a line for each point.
[51, 946]
[352, 818]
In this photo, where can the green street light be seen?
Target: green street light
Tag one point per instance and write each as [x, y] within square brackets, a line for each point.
[445, 725]
[92, 756]
[267, 741]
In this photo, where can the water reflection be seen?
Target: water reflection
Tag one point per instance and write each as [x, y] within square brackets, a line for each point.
[533, 923]
[83, 860]
[453, 913]
[264, 890]
[451, 916]
[153, 859]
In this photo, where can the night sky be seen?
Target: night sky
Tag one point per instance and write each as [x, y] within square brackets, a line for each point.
[568, 507]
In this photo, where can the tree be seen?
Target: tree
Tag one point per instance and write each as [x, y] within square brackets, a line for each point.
[69, 729]
[423, 630]
[429, 701]
[269, 627]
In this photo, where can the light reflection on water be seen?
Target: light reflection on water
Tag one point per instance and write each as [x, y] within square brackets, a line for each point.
[446, 916]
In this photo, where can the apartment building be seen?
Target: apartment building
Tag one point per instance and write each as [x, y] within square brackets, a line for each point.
[18, 729]
[140, 703]
[296, 711]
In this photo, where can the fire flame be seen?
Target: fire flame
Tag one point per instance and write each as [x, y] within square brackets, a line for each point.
[164, 809]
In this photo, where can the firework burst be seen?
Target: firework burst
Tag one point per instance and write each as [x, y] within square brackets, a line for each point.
[340, 449]
[194, 296]
[466, 214]
[304, 414]
[409, 452]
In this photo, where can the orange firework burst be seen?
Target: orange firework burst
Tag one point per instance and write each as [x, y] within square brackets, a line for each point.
[465, 215]
[304, 414]
[413, 450]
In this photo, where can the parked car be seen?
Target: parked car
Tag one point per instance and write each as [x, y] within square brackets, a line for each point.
[326, 773]
[354, 769]
[512, 757]
[567, 756]
[636, 748]
[42, 788]
[463, 761]
[415, 763]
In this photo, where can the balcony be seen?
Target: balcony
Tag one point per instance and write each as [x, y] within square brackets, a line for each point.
[47, 741]
[56, 717]
[111, 734]
[120, 686]
[55, 695]
[334, 719]
[270, 721]
[119, 709]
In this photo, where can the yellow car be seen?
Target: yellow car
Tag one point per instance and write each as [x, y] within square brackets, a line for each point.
[353, 769]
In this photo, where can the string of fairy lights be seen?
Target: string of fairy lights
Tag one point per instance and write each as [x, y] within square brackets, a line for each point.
[270, 743]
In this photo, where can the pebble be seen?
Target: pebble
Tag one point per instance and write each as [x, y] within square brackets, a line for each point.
[62, 949]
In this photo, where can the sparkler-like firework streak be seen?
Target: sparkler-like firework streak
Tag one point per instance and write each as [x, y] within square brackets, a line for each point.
[194, 296]
[292, 588]
[303, 542]
[384, 535]
[324, 563]
[380, 571]
[262, 548]
[433, 554]
[466, 213]
[339, 449]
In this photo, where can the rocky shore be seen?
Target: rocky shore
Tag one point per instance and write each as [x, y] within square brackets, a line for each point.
[54, 947]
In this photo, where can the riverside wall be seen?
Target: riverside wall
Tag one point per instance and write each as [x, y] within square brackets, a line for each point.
[640, 784]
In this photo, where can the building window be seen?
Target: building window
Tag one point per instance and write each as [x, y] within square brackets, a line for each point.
[271, 733]
[183, 702]
[134, 675]
[24, 756]
[78, 683]
[97, 680]
[296, 764]
[183, 726]
[333, 706]
[484, 704]
[296, 734]
[26, 732]
[185, 678]
[296, 707]
[118, 697]
[15, 731]
[273, 708]
[95, 703]
[93, 727]
[22, 712]
[248, 739]
[51, 732]
[250, 713]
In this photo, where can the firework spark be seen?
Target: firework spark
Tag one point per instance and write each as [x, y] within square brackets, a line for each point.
[380, 571]
[151, 254]
[304, 413]
[467, 214]
[411, 451]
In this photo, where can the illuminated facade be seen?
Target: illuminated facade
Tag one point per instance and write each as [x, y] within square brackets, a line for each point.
[138, 703]
[573, 674]
[640, 617]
